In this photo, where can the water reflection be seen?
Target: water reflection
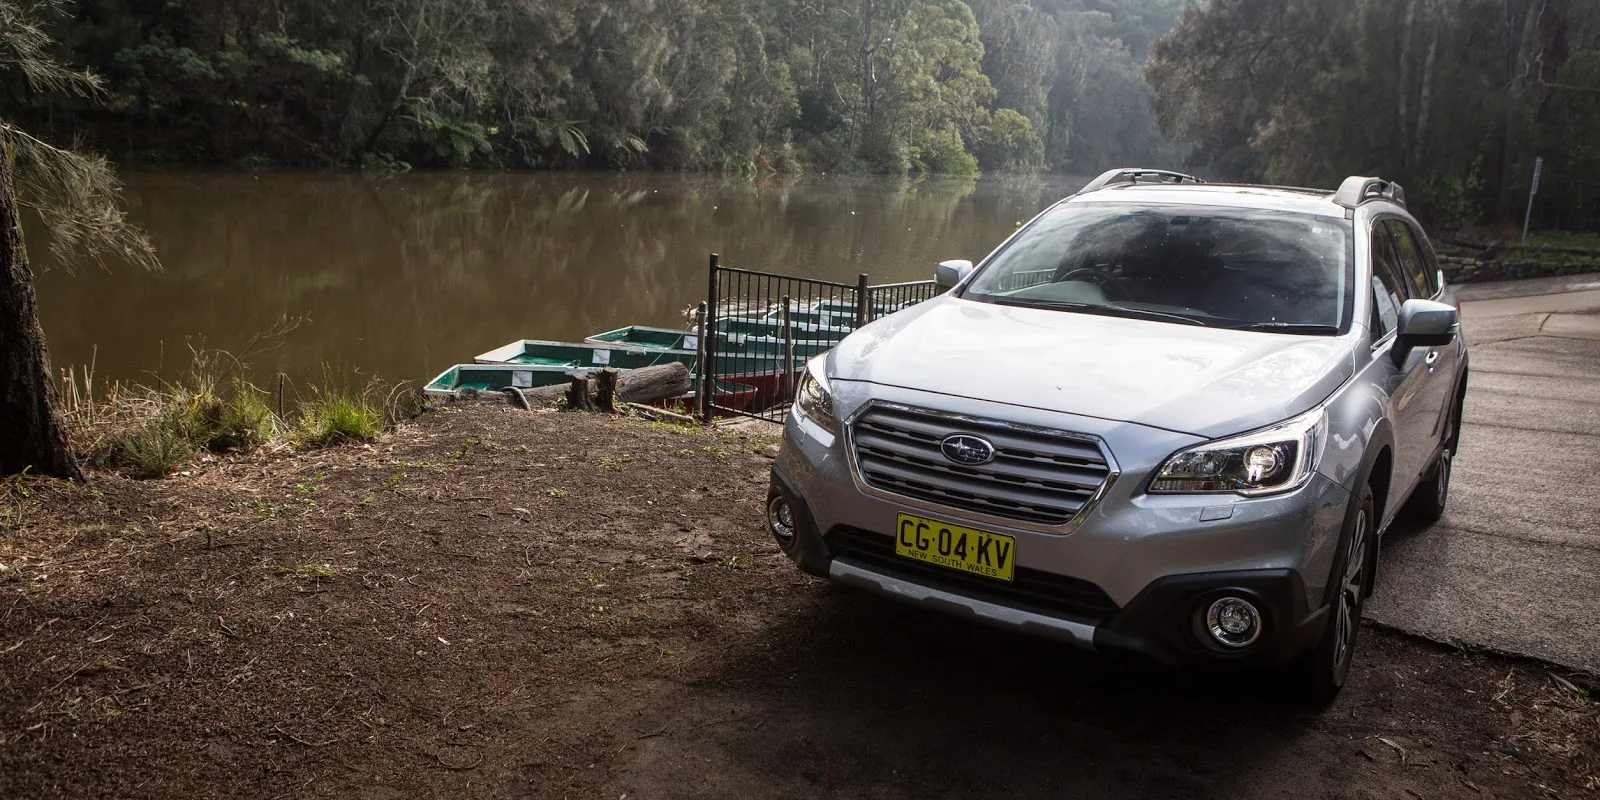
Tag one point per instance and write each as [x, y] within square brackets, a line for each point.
[404, 276]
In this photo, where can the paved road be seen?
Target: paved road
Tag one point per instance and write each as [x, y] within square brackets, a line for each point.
[1515, 563]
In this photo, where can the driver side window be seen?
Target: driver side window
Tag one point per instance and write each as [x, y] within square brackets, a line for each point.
[1388, 288]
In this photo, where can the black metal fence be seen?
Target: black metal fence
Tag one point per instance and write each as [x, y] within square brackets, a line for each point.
[757, 330]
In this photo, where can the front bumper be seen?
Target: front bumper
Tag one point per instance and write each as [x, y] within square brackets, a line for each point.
[1134, 575]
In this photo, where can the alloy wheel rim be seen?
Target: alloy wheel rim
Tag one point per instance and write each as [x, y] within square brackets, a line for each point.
[1350, 586]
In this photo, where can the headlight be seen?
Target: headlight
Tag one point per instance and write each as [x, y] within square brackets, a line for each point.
[1276, 459]
[812, 398]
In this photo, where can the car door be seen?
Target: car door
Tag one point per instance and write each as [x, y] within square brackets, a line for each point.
[1406, 374]
[1424, 281]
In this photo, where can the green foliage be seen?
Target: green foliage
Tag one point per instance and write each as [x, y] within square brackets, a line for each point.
[338, 416]
[736, 85]
[181, 420]
[153, 449]
[1456, 197]
[1009, 142]
[1454, 100]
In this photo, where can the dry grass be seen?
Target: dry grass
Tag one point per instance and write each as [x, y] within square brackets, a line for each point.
[153, 431]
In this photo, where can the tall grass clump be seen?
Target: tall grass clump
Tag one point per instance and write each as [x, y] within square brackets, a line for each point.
[152, 432]
[152, 449]
[340, 415]
[160, 429]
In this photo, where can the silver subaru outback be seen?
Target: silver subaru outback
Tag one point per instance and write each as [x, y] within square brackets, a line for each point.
[1165, 417]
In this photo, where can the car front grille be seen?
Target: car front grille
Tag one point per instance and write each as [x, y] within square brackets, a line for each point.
[1030, 589]
[1036, 476]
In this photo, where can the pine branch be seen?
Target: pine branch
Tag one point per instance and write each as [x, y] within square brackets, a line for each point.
[77, 195]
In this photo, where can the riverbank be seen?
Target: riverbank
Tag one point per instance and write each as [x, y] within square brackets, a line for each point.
[488, 602]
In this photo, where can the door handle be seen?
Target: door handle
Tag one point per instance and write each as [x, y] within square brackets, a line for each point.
[1433, 355]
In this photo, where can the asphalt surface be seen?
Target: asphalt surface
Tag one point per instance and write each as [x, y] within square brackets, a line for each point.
[1514, 566]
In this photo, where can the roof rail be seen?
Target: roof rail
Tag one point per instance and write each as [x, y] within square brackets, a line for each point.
[1132, 175]
[1357, 190]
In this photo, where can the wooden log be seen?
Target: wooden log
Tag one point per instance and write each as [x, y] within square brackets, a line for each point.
[650, 384]
[580, 394]
[643, 385]
[605, 390]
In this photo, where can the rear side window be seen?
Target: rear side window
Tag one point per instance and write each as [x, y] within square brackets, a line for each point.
[1424, 278]
[1388, 287]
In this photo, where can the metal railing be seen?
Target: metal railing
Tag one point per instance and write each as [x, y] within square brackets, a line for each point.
[757, 330]
[891, 297]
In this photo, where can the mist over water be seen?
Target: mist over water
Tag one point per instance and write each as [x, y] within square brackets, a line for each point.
[403, 277]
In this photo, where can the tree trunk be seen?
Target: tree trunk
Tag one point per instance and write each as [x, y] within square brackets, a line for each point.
[33, 436]
[1520, 77]
[1424, 103]
[862, 125]
[1403, 84]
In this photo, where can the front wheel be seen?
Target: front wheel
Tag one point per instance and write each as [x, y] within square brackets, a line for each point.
[1427, 501]
[1323, 670]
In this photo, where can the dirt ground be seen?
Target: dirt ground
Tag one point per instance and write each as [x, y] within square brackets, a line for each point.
[492, 603]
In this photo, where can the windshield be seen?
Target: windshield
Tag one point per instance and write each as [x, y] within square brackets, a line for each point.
[1220, 267]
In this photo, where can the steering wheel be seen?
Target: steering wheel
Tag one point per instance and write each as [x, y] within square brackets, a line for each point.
[1107, 281]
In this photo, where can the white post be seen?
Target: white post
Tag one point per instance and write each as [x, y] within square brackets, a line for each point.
[1538, 167]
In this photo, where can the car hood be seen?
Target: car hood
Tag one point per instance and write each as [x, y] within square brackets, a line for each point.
[1186, 378]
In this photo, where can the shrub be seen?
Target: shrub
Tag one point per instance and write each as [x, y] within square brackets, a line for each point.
[153, 449]
[341, 415]
[243, 422]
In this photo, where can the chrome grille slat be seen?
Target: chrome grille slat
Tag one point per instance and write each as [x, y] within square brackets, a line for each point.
[1040, 477]
[1005, 441]
[928, 455]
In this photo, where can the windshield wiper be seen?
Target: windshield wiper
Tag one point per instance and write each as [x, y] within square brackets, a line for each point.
[1105, 311]
[1283, 327]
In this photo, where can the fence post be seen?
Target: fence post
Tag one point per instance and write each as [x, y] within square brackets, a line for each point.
[863, 301]
[786, 386]
[708, 340]
[1538, 167]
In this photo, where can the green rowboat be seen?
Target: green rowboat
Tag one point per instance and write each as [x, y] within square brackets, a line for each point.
[648, 337]
[494, 377]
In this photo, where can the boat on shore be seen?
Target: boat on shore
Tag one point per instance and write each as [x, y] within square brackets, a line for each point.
[584, 354]
[496, 377]
[648, 337]
[758, 356]
[730, 395]
[768, 368]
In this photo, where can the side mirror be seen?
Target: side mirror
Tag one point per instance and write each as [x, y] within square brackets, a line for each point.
[950, 273]
[1425, 323]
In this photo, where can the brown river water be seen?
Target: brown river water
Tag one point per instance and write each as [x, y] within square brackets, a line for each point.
[404, 276]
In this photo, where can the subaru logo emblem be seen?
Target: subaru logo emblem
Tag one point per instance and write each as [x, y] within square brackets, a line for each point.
[964, 448]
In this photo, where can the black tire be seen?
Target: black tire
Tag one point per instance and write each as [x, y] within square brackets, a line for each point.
[1321, 672]
[1426, 504]
[1427, 501]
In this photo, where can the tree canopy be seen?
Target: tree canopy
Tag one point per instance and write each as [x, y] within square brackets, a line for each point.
[873, 85]
[1454, 98]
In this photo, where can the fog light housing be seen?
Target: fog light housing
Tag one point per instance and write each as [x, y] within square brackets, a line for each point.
[1233, 622]
[780, 517]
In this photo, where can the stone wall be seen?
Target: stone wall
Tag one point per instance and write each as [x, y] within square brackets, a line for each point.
[1463, 269]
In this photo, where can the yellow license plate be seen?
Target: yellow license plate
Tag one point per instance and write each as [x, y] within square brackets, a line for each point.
[992, 555]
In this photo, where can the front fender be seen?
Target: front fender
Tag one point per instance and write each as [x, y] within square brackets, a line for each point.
[1359, 430]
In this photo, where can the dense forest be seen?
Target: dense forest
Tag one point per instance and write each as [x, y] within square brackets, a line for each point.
[1455, 98]
[856, 85]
